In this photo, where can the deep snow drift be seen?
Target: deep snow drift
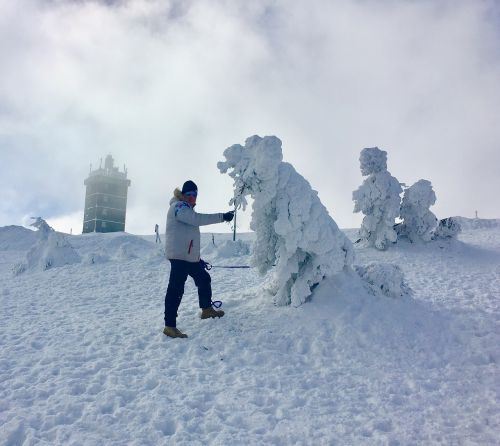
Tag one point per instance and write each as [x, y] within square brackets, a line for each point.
[83, 359]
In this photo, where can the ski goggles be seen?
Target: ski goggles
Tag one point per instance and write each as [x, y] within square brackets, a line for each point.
[192, 193]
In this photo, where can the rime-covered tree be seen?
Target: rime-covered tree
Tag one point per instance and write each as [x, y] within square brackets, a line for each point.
[294, 231]
[447, 229]
[419, 222]
[44, 229]
[51, 250]
[378, 199]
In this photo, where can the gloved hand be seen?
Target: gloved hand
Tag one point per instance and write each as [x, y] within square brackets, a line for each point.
[228, 216]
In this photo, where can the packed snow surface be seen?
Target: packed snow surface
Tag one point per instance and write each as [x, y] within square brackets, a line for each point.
[83, 360]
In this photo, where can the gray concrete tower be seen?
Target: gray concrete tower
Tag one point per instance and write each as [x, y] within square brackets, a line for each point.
[106, 199]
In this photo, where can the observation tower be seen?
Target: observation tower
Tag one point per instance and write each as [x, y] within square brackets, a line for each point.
[106, 198]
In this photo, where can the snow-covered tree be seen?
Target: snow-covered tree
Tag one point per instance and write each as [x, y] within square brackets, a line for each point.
[51, 250]
[419, 222]
[384, 278]
[294, 231]
[378, 199]
[44, 229]
[448, 228]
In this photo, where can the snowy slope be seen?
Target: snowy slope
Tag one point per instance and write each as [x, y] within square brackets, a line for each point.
[83, 359]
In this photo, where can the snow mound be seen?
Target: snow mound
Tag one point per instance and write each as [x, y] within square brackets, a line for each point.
[228, 249]
[52, 249]
[237, 248]
[51, 252]
[477, 223]
[384, 278]
[114, 245]
[127, 250]
[16, 238]
[126, 246]
[92, 258]
[293, 229]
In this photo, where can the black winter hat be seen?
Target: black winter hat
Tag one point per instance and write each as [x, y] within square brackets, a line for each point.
[189, 186]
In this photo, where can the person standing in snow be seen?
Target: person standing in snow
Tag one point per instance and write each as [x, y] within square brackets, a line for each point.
[182, 248]
[157, 232]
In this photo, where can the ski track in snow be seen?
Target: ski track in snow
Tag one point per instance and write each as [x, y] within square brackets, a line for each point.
[83, 359]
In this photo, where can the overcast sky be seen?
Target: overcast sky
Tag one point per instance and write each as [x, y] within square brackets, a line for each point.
[166, 86]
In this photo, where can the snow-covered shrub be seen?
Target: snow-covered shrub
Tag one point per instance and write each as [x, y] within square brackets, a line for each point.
[293, 229]
[448, 228]
[19, 268]
[384, 278]
[419, 222]
[378, 199]
[52, 252]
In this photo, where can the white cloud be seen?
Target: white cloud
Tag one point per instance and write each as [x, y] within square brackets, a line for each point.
[166, 86]
[69, 224]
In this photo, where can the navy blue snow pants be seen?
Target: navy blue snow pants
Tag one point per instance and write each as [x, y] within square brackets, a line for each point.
[179, 271]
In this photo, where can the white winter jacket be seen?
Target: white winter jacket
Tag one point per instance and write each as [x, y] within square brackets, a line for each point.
[182, 236]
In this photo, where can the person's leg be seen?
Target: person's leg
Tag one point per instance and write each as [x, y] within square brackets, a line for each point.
[175, 290]
[203, 282]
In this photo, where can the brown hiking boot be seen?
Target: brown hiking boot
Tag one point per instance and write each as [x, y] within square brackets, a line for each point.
[207, 313]
[173, 332]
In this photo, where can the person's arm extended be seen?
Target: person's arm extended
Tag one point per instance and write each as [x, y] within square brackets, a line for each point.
[190, 217]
